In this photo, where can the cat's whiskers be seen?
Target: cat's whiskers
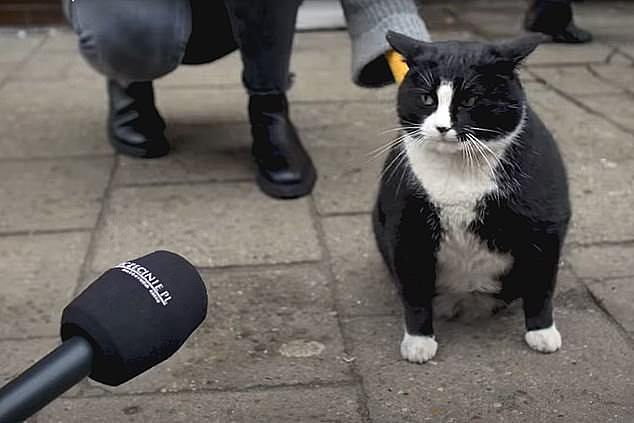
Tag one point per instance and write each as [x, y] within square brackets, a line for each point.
[376, 153]
[396, 163]
[475, 128]
[477, 145]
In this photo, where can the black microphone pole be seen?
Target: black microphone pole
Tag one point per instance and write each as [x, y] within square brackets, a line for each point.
[46, 380]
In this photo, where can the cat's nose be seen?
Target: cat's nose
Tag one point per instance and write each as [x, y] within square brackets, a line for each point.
[443, 129]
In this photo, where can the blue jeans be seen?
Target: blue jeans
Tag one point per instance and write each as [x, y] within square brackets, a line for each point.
[141, 40]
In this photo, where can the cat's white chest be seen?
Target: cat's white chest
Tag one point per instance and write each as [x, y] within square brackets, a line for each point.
[466, 268]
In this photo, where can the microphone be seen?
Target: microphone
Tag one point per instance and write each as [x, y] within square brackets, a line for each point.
[134, 316]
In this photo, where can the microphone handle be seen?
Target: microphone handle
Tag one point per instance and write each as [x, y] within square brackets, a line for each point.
[47, 379]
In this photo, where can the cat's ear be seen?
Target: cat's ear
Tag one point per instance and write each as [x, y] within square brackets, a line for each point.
[406, 46]
[516, 50]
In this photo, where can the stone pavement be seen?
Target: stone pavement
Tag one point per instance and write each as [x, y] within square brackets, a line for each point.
[303, 324]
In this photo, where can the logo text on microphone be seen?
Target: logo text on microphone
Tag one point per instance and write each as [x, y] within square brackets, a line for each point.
[149, 280]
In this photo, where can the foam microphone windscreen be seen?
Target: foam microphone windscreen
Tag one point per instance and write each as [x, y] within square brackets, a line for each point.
[137, 314]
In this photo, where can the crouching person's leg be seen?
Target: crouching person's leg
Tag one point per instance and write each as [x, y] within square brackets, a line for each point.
[132, 43]
[264, 30]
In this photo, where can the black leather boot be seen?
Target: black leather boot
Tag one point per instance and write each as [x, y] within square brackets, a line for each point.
[554, 18]
[284, 168]
[135, 127]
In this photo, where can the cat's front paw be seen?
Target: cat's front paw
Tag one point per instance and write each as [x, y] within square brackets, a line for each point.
[544, 340]
[418, 349]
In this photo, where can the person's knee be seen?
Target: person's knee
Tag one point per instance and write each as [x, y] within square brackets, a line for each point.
[128, 49]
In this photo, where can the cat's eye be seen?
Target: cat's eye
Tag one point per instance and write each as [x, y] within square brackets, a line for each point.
[427, 100]
[468, 102]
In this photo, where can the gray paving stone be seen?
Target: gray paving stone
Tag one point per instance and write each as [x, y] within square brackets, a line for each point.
[495, 22]
[602, 261]
[80, 70]
[52, 194]
[6, 69]
[327, 85]
[15, 49]
[627, 48]
[619, 75]
[18, 355]
[53, 134]
[363, 125]
[60, 41]
[253, 320]
[456, 34]
[40, 273]
[484, 371]
[363, 285]
[616, 297]
[223, 72]
[619, 108]
[211, 224]
[289, 405]
[45, 66]
[575, 80]
[27, 97]
[566, 54]
[348, 180]
[219, 152]
[203, 106]
[602, 196]
[584, 138]
[619, 59]
[596, 15]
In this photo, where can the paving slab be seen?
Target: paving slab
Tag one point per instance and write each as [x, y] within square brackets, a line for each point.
[484, 371]
[627, 48]
[617, 74]
[602, 196]
[202, 106]
[52, 194]
[226, 71]
[602, 261]
[348, 180]
[329, 85]
[583, 138]
[40, 273]
[616, 297]
[64, 96]
[366, 125]
[211, 224]
[45, 66]
[53, 134]
[567, 54]
[219, 152]
[618, 108]
[16, 49]
[263, 328]
[6, 69]
[575, 80]
[19, 355]
[363, 285]
[290, 405]
[80, 70]
[60, 41]
[494, 22]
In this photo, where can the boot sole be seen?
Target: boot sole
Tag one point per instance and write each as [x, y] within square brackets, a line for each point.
[286, 191]
[140, 151]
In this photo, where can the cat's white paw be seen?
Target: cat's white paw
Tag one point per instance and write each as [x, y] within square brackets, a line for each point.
[544, 340]
[418, 349]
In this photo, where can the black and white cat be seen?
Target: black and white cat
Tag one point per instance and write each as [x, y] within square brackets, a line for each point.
[473, 205]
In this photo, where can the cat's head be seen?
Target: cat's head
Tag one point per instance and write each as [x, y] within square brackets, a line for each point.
[457, 90]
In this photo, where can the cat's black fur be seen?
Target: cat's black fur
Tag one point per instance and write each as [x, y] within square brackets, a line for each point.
[530, 217]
